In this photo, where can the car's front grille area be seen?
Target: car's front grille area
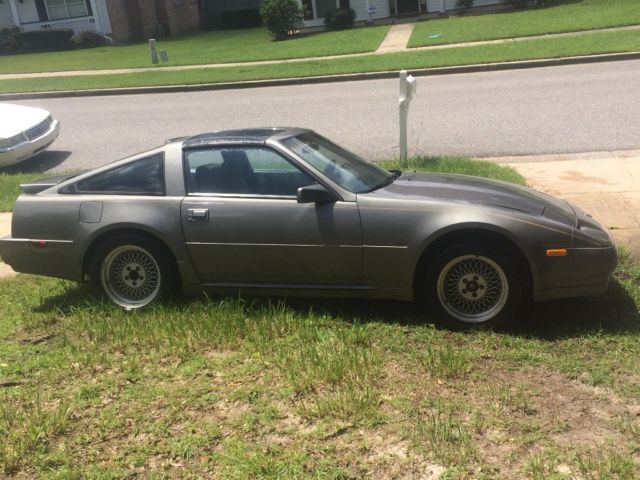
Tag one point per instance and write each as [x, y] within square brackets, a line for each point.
[39, 129]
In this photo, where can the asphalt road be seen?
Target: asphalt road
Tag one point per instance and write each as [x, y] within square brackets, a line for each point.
[563, 109]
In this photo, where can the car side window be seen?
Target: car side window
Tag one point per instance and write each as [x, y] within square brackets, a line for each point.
[243, 171]
[141, 177]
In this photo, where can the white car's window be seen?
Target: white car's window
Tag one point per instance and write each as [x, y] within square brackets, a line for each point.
[242, 171]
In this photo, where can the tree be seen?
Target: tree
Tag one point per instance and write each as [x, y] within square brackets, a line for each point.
[281, 17]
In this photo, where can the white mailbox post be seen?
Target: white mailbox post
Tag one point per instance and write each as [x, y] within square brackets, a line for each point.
[154, 50]
[407, 92]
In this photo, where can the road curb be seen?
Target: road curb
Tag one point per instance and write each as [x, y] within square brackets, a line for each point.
[487, 67]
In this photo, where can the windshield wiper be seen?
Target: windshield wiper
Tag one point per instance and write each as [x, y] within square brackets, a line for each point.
[386, 181]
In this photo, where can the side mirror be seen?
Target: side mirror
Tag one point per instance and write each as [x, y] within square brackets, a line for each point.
[316, 194]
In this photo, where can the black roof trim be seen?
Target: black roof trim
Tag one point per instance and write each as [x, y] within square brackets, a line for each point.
[247, 136]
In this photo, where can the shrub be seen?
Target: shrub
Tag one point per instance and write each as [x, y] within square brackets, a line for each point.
[519, 3]
[464, 4]
[47, 40]
[340, 18]
[90, 39]
[281, 17]
[7, 38]
[247, 18]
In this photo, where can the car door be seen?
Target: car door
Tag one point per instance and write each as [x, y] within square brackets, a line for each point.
[243, 224]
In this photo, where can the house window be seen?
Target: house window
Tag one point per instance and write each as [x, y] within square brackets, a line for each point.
[59, 9]
[323, 6]
[307, 9]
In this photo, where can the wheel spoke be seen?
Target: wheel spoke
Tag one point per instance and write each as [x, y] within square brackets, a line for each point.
[472, 288]
[131, 276]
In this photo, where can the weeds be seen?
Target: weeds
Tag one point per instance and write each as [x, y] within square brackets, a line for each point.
[444, 361]
[25, 429]
[445, 437]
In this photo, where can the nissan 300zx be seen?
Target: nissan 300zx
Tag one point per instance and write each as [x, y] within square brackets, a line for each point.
[287, 212]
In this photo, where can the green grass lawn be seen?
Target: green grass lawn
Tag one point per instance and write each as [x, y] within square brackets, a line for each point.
[243, 388]
[560, 16]
[535, 49]
[314, 389]
[219, 46]
[10, 187]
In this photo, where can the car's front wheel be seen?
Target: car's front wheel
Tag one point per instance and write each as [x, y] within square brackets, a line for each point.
[131, 270]
[471, 286]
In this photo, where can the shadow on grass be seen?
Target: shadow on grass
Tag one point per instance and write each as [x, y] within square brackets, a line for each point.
[612, 312]
[41, 163]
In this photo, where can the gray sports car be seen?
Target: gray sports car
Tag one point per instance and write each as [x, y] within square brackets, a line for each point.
[287, 212]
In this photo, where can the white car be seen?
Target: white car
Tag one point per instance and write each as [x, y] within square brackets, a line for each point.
[24, 132]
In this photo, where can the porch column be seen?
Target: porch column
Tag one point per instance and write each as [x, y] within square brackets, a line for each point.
[14, 12]
[96, 16]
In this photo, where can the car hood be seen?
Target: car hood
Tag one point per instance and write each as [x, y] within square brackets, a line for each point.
[478, 191]
[15, 119]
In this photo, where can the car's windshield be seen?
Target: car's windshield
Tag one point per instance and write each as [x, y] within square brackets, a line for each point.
[342, 167]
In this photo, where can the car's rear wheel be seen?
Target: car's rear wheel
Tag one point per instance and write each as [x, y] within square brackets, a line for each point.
[471, 286]
[131, 270]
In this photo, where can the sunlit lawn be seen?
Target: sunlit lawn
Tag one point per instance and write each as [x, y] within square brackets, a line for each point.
[593, 43]
[559, 16]
[217, 46]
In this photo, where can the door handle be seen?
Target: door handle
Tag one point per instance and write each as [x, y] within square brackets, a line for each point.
[198, 214]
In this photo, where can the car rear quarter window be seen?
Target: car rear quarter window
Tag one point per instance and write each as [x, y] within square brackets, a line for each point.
[141, 177]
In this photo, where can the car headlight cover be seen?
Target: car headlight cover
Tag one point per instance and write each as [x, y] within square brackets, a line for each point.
[12, 141]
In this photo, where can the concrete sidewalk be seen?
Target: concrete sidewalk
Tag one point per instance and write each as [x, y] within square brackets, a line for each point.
[397, 38]
[605, 184]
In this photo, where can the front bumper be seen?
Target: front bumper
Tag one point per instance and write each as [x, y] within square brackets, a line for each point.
[590, 272]
[27, 149]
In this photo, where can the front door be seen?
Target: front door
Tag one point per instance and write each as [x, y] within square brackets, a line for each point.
[243, 224]
[406, 7]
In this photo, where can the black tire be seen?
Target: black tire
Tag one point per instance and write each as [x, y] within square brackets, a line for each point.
[131, 270]
[473, 286]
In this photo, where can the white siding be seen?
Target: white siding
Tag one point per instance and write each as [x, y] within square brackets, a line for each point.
[102, 14]
[27, 11]
[6, 19]
[360, 7]
[76, 24]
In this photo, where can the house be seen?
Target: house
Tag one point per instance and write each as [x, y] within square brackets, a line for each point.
[78, 15]
[122, 20]
[366, 10]
[125, 20]
[143, 19]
